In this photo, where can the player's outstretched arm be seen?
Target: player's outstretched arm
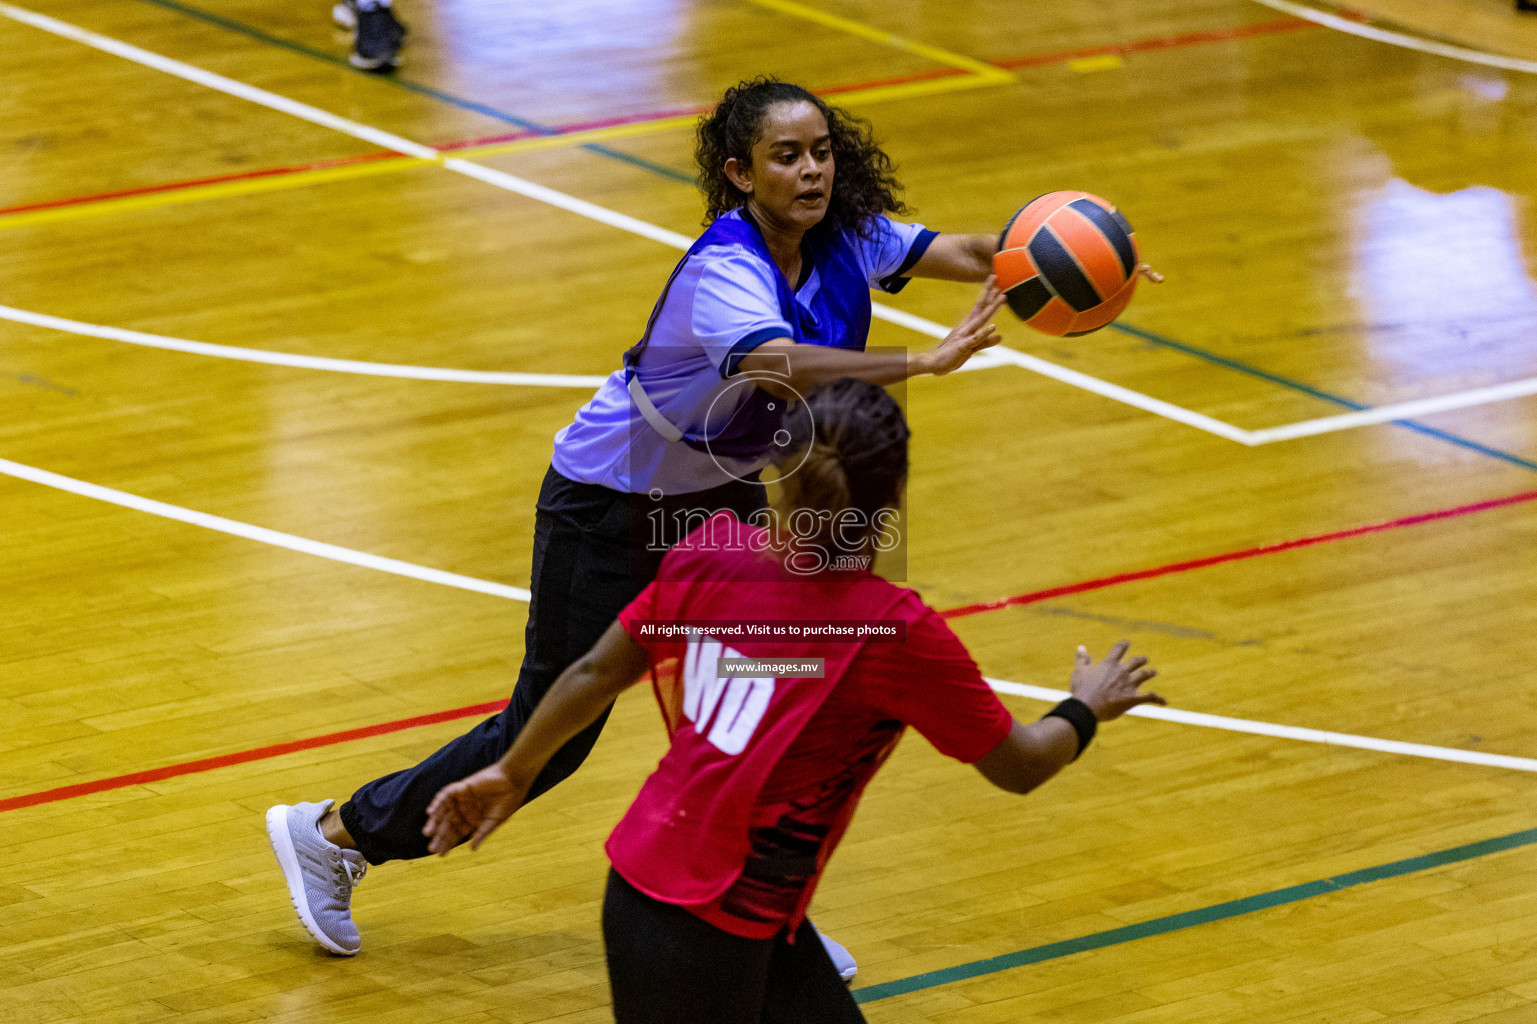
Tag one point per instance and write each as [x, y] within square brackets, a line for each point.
[952, 257]
[787, 370]
[1102, 691]
[475, 806]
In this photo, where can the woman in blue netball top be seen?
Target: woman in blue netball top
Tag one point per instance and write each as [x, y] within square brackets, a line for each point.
[772, 301]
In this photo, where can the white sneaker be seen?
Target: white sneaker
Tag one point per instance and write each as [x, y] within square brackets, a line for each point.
[345, 16]
[320, 874]
[841, 957]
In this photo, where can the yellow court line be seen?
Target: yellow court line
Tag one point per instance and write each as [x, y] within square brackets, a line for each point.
[318, 176]
[979, 75]
[618, 131]
[979, 68]
[322, 175]
[872, 94]
[908, 90]
[303, 179]
[220, 190]
[1104, 62]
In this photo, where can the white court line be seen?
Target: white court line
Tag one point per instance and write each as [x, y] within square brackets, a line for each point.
[626, 223]
[325, 119]
[259, 533]
[986, 359]
[396, 567]
[253, 355]
[569, 203]
[1381, 35]
[995, 357]
[1126, 396]
[226, 85]
[1290, 732]
[1000, 355]
[1401, 411]
[612, 218]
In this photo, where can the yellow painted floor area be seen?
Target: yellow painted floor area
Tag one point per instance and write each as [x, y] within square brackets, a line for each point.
[1341, 223]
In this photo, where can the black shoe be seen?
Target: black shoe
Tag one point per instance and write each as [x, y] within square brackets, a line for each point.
[1526, 5]
[377, 44]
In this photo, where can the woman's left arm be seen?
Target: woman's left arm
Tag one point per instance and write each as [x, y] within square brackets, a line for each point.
[957, 258]
[473, 807]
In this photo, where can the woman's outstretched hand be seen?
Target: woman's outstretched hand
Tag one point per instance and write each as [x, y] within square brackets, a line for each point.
[1110, 687]
[472, 807]
[970, 336]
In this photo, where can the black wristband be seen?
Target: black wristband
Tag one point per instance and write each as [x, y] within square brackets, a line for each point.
[1080, 717]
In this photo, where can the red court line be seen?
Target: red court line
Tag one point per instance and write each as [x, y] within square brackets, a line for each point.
[491, 140]
[176, 186]
[1040, 60]
[876, 83]
[623, 119]
[1264, 28]
[1237, 556]
[330, 739]
[576, 127]
[208, 764]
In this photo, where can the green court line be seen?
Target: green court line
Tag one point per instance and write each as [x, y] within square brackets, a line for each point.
[1097, 940]
[1192, 918]
[251, 32]
[231, 25]
[1319, 393]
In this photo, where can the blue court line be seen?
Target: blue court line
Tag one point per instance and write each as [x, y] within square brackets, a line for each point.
[229, 24]
[1192, 918]
[1308, 389]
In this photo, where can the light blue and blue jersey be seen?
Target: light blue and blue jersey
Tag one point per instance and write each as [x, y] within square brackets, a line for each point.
[726, 298]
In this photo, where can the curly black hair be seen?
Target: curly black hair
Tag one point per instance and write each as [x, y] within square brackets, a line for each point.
[864, 178]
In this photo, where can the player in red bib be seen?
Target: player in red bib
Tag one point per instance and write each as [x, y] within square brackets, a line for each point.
[717, 859]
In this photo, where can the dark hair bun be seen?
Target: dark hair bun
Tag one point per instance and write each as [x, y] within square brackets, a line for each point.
[854, 439]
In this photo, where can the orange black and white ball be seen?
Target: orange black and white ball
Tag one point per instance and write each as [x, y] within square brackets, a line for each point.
[1067, 263]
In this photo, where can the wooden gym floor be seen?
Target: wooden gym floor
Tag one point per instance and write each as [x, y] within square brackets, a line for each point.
[200, 619]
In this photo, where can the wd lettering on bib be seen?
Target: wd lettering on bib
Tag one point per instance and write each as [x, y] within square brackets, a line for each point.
[730, 709]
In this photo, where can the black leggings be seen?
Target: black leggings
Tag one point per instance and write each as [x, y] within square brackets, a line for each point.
[666, 966]
[592, 557]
